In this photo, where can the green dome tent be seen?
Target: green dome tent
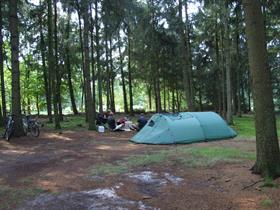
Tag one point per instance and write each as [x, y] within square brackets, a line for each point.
[182, 128]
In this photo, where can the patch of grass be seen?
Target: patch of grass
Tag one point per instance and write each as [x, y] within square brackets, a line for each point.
[245, 126]
[125, 165]
[11, 197]
[190, 157]
[70, 123]
[269, 182]
[208, 156]
[266, 203]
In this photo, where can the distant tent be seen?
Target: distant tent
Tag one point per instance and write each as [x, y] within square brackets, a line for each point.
[182, 128]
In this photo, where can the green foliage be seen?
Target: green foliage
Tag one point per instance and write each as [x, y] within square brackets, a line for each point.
[12, 197]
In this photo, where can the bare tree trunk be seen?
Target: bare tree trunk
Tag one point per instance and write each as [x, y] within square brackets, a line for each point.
[228, 65]
[157, 85]
[112, 77]
[99, 76]
[68, 67]
[3, 91]
[268, 155]
[238, 69]
[37, 104]
[108, 92]
[173, 100]
[92, 61]
[223, 76]
[156, 95]
[89, 105]
[122, 76]
[150, 96]
[218, 67]
[185, 59]
[57, 68]
[164, 95]
[51, 64]
[82, 51]
[45, 74]
[14, 41]
[129, 71]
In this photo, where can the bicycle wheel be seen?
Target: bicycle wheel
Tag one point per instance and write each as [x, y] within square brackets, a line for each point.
[8, 133]
[35, 131]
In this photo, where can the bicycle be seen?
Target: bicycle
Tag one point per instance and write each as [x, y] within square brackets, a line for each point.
[9, 128]
[30, 125]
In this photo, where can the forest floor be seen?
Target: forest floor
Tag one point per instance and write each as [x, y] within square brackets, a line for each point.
[79, 169]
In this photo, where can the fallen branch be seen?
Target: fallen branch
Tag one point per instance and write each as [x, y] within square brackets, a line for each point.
[251, 185]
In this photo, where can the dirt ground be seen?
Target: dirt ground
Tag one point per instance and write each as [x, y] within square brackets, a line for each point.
[60, 164]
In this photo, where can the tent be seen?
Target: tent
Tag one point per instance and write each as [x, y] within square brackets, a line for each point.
[182, 128]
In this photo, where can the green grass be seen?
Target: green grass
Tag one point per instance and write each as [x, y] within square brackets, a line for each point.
[71, 123]
[209, 156]
[269, 182]
[245, 126]
[126, 164]
[266, 203]
[186, 156]
[11, 197]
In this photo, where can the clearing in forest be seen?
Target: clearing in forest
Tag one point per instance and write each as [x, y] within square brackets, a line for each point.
[87, 170]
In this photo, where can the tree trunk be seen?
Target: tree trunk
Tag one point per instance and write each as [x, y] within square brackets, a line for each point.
[122, 76]
[14, 41]
[59, 100]
[92, 61]
[164, 95]
[99, 76]
[173, 100]
[27, 79]
[223, 76]
[268, 155]
[37, 104]
[108, 92]
[156, 95]
[89, 105]
[68, 67]
[186, 59]
[112, 77]
[51, 65]
[218, 67]
[238, 57]
[228, 66]
[45, 74]
[150, 96]
[82, 51]
[129, 71]
[3, 91]
[57, 69]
